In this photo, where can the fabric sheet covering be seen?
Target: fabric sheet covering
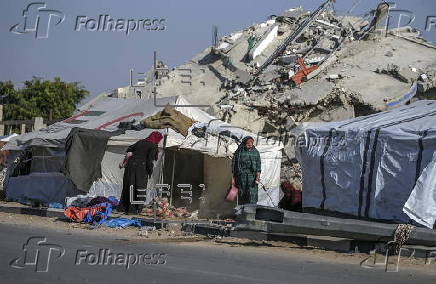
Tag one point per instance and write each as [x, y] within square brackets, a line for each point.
[169, 117]
[85, 149]
[40, 187]
[421, 205]
[371, 166]
[107, 113]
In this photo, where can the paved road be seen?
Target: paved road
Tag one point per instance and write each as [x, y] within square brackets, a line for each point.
[161, 262]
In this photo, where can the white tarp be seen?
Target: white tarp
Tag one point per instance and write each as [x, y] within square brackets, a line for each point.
[421, 205]
[107, 113]
[6, 138]
[369, 166]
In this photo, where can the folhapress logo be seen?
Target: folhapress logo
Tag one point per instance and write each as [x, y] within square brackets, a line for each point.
[38, 19]
[105, 23]
[37, 253]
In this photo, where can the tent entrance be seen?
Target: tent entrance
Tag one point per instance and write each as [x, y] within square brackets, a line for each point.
[183, 172]
[206, 177]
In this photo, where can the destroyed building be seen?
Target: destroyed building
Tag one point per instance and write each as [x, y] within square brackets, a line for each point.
[301, 66]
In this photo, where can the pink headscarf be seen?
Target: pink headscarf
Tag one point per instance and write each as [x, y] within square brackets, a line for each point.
[155, 138]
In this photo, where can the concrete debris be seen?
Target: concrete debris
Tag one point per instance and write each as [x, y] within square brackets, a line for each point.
[288, 59]
[427, 85]
[406, 75]
[333, 77]
[305, 66]
[389, 54]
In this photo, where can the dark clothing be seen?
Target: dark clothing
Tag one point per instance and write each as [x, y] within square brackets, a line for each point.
[245, 165]
[102, 199]
[143, 152]
[139, 168]
[286, 203]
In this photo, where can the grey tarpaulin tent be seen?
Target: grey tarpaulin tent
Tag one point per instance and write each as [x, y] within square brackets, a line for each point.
[204, 163]
[371, 166]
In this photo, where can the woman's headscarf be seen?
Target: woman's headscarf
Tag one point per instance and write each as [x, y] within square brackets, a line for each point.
[155, 138]
[241, 148]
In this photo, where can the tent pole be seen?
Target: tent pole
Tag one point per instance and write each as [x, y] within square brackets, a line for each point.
[172, 178]
[163, 157]
[161, 173]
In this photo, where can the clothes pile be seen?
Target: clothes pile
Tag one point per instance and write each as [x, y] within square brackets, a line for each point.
[89, 201]
[92, 210]
[94, 215]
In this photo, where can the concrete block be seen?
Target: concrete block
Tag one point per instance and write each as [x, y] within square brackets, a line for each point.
[312, 224]
[251, 235]
[56, 212]
[300, 240]
[9, 209]
[266, 40]
[330, 243]
[252, 226]
[269, 214]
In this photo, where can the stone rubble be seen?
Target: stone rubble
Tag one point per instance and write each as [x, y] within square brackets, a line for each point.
[249, 77]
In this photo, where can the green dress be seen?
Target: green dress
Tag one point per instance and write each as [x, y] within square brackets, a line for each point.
[245, 164]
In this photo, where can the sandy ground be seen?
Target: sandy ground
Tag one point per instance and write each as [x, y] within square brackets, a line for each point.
[130, 233]
[174, 234]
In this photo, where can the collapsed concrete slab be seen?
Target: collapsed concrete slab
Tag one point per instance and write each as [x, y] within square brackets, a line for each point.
[303, 66]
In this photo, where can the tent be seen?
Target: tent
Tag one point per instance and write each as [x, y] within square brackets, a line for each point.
[380, 166]
[196, 170]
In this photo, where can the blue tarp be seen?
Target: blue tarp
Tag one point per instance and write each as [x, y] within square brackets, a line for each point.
[122, 223]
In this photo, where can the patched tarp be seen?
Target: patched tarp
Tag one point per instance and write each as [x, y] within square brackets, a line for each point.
[84, 150]
[369, 166]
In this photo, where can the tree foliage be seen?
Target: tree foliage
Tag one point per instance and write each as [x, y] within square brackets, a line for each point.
[48, 99]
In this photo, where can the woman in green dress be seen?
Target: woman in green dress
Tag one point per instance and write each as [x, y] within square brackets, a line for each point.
[246, 168]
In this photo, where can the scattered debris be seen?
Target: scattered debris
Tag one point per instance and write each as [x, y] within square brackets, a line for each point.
[165, 211]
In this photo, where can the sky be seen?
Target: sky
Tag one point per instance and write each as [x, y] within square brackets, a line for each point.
[76, 50]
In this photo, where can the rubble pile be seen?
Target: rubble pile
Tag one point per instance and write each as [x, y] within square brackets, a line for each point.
[165, 211]
[427, 84]
[304, 66]
[322, 73]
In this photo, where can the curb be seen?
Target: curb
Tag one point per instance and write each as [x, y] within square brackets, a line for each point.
[43, 212]
[251, 230]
